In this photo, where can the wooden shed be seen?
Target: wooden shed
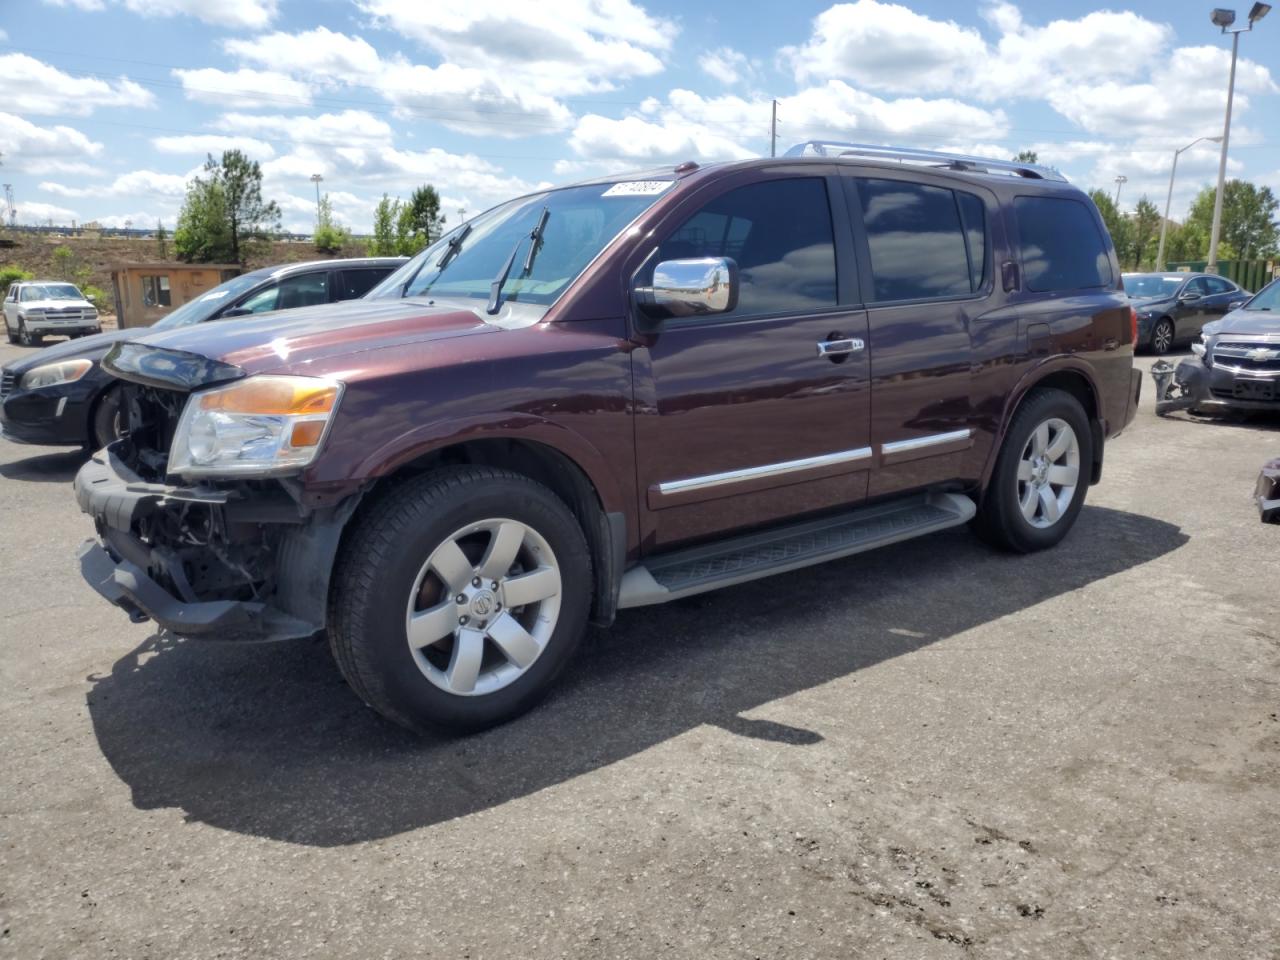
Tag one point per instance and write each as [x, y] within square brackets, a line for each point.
[145, 292]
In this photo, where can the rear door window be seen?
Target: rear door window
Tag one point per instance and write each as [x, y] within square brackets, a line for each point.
[780, 234]
[1063, 248]
[303, 290]
[917, 240]
[1218, 285]
[356, 283]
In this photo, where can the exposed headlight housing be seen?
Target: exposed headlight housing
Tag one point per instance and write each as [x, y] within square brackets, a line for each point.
[52, 374]
[260, 426]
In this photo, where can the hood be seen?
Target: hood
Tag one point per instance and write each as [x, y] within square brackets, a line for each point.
[94, 348]
[291, 339]
[57, 305]
[1252, 323]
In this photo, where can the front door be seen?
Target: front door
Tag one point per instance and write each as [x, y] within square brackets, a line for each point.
[741, 419]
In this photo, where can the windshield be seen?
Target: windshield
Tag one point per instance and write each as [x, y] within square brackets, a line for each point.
[52, 291]
[579, 222]
[203, 307]
[1268, 298]
[1140, 285]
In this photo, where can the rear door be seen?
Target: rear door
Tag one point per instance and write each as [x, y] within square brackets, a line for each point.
[923, 249]
[1222, 294]
[354, 282]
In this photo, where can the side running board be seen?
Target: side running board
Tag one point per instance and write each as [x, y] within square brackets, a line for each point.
[712, 566]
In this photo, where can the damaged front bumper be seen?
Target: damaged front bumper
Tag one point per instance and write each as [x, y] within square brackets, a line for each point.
[235, 563]
[1267, 492]
[1194, 386]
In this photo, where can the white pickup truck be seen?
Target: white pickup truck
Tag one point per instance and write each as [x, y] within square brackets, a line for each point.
[33, 309]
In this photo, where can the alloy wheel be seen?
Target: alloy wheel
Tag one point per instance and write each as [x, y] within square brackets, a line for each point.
[483, 607]
[1048, 473]
[1162, 337]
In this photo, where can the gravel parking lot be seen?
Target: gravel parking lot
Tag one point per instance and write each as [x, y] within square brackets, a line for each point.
[930, 751]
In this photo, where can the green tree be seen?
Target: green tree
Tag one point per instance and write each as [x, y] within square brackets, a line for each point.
[64, 260]
[1115, 222]
[1026, 156]
[1145, 225]
[12, 274]
[329, 236]
[203, 232]
[385, 218]
[224, 213]
[1249, 224]
[419, 221]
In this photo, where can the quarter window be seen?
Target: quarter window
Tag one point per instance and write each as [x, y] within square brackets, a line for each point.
[779, 233]
[155, 292]
[918, 242]
[1062, 246]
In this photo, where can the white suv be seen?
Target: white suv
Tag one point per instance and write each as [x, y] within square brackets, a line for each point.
[35, 308]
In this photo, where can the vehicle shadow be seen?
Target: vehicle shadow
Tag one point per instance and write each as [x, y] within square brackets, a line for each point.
[46, 468]
[269, 741]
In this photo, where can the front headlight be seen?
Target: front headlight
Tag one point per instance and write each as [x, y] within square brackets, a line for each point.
[260, 426]
[51, 374]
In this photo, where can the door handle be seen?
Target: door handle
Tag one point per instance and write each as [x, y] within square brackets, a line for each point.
[838, 348]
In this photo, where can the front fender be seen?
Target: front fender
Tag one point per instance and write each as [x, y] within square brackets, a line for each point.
[430, 437]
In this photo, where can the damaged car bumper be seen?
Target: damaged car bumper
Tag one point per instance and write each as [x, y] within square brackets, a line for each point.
[1214, 386]
[1267, 492]
[226, 563]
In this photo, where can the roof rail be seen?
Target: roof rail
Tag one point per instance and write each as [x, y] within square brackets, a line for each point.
[932, 158]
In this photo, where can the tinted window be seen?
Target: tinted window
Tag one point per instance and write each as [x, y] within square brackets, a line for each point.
[305, 290]
[1218, 285]
[1199, 285]
[1062, 245]
[779, 232]
[917, 241]
[356, 283]
[974, 214]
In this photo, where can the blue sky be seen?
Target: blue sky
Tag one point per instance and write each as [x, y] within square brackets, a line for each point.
[108, 106]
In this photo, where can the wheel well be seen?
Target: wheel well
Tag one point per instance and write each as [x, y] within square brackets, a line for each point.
[553, 470]
[1068, 381]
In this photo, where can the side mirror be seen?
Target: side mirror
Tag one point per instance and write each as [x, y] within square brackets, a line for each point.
[1188, 297]
[236, 312]
[690, 288]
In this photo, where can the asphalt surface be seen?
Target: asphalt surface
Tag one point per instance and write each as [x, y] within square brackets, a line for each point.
[930, 751]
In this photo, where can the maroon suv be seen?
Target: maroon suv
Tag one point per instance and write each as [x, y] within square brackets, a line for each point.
[615, 394]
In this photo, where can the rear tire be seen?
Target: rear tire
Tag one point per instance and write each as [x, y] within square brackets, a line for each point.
[418, 628]
[1041, 475]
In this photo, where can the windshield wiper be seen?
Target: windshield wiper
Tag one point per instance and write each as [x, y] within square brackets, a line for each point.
[455, 242]
[535, 238]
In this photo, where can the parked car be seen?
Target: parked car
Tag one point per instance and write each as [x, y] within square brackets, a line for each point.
[34, 309]
[1173, 307]
[615, 394]
[1236, 362]
[63, 396]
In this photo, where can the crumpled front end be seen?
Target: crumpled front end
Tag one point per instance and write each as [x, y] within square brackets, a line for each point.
[1267, 492]
[1225, 374]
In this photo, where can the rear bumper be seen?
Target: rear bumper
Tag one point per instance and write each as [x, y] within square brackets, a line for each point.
[151, 581]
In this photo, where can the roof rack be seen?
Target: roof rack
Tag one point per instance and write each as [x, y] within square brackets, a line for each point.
[932, 158]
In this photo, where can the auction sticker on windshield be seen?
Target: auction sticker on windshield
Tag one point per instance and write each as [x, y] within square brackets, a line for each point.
[637, 188]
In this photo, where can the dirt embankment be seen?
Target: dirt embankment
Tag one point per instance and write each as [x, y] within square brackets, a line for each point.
[34, 252]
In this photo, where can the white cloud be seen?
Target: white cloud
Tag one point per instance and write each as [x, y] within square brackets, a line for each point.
[473, 101]
[351, 128]
[137, 183]
[204, 144]
[28, 85]
[727, 65]
[246, 88]
[556, 47]
[321, 55]
[236, 14]
[37, 150]
[34, 212]
[78, 4]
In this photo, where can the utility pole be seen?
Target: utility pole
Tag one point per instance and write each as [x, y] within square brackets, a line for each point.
[773, 131]
[316, 178]
[1168, 200]
[9, 204]
[1120, 182]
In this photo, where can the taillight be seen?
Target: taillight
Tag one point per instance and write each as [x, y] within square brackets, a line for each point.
[1133, 325]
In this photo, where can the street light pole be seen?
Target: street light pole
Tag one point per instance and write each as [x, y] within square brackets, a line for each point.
[1121, 180]
[1223, 19]
[1164, 224]
[316, 178]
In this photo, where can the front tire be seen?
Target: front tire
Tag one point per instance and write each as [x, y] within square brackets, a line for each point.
[104, 428]
[1162, 337]
[459, 598]
[1041, 475]
[26, 337]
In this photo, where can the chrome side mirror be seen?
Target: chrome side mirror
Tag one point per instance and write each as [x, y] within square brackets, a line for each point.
[1188, 297]
[690, 288]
